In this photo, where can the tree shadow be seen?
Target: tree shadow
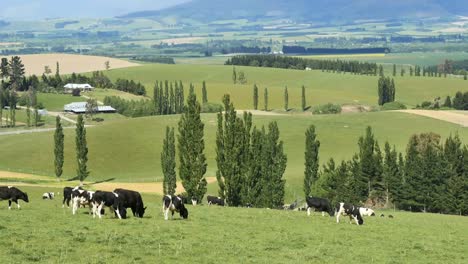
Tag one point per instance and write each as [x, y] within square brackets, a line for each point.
[101, 181]
[307, 108]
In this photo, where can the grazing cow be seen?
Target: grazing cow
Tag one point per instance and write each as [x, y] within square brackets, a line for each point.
[81, 198]
[320, 204]
[67, 193]
[109, 199]
[215, 200]
[174, 204]
[131, 199]
[390, 216]
[12, 194]
[382, 215]
[349, 210]
[366, 211]
[48, 195]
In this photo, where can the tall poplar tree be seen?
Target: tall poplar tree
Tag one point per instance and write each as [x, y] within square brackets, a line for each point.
[192, 160]
[255, 97]
[168, 163]
[58, 148]
[265, 99]
[81, 150]
[312, 146]
[304, 103]
[286, 99]
[204, 93]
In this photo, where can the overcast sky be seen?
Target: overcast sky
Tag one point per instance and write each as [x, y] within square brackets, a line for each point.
[39, 9]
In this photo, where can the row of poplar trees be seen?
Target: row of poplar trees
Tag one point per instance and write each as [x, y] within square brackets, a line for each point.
[251, 162]
[82, 171]
[168, 97]
[191, 146]
[431, 176]
[286, 99]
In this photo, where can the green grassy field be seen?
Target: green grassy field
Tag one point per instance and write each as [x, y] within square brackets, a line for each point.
[321, 87]
[129, 149]
[43, 232]
[55, 102]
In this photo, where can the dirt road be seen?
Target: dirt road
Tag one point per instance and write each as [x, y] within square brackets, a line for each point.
[456, 117]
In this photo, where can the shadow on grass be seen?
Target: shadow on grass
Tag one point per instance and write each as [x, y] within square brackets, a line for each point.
[92, 183]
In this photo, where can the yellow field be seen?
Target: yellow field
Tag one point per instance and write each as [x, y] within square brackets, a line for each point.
[69, 63]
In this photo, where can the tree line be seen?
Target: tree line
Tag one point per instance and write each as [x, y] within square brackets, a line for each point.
[285, 62]
[431, 176]
[458, 102]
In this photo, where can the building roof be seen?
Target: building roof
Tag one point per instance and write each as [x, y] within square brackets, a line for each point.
[78, 86]
[80, 107]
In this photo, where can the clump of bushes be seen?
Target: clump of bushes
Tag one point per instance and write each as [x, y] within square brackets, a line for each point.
[393, 106]
[211, 108]
[327, 109]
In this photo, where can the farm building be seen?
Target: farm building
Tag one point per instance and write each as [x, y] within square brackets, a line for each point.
[69, 87]
[80, 108]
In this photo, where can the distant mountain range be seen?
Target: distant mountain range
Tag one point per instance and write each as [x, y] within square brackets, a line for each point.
[307, 10]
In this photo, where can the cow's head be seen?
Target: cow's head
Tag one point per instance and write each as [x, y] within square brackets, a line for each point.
[184, 212]
[141, 212]
[24, 197]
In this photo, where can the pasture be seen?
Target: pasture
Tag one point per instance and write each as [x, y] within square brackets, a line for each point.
[70, 63]
[43, 232]
[321, 87]
[128, 150]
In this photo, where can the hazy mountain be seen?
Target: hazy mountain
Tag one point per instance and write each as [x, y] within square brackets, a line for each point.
[40, 9]
[307, 10]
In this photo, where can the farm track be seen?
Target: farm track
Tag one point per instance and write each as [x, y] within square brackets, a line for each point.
[144, 187]
[459, 118]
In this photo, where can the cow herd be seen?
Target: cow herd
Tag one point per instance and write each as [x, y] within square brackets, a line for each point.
[120, 200]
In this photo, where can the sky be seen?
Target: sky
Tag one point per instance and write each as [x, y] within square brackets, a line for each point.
[41, 9]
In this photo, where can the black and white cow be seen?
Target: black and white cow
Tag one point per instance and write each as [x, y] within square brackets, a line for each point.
[109, 199]
[131, 199]
[48, 196]
[81, 198]
[319, 204]
[12, 194]
[366, 211]
[174, 204]
[215, 200]
[350, 210]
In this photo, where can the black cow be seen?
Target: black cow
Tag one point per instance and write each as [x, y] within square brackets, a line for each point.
[131, 199]
[174, 204]
[390, 216]
[215, 200]
[12, 194]
[81, 198]
[319, 204]
[67, 193]
[109, 199]
[349, 210]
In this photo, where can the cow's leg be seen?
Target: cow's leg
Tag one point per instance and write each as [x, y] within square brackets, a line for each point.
[323, 213]
[308, 211]
[172, 215]
[356, 220]
[166, 213]
[338, 217]
[118, 213]
[64, 200]
[75, 205]
[94, 209]
[351, 219]
[9, 204]
[17, 203]
[99, 209]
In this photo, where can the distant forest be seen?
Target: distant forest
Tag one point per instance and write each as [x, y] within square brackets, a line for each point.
[303, 50]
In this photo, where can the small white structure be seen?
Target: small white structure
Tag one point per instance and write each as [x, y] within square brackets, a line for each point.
[308, 69]
[69, 87]
[42, 112]
[80, 108]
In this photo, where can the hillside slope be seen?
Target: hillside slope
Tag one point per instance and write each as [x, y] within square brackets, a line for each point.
[304, 10]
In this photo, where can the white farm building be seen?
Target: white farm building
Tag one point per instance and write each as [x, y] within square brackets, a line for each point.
[80, 108]
[69, 87]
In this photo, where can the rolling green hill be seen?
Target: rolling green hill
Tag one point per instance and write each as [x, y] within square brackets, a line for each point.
[129, 150]
[321, 87]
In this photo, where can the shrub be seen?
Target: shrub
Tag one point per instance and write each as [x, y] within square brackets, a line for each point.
[327, 109]
[76, 92]
[426, 105]
[393, 106]
[23, 100]
[211, 108]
